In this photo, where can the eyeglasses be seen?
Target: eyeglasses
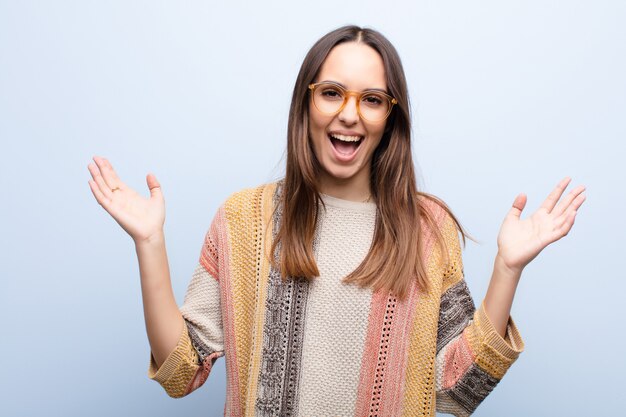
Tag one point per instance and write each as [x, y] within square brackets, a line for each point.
[331, 98]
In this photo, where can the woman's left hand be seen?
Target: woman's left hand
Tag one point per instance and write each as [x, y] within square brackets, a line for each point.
[520, 241]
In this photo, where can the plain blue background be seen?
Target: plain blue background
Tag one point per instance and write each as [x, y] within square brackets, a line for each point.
[507, 97]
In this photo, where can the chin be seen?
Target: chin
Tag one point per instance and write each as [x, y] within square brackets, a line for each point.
[341, 174]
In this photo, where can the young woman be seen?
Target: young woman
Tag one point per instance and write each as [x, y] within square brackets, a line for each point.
[338, 290]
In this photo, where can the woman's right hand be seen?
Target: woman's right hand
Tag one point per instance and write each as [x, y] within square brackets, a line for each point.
[142, 218]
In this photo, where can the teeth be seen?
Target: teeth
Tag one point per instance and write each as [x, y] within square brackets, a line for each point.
[346, 138]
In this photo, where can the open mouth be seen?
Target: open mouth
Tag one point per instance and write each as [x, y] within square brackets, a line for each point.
[345, 145]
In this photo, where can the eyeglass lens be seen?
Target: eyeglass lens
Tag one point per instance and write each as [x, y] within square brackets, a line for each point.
[373, 106]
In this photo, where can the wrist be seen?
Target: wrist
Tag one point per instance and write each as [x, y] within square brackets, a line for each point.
[503, 270]
[155, 239]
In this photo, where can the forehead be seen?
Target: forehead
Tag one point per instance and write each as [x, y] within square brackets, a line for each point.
[355, 65]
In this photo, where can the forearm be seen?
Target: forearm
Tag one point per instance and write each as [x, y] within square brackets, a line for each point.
[500, 294]
[161, 313]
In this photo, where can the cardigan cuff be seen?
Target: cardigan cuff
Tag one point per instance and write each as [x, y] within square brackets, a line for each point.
[509, 346]
[179, 367]
[494, 353]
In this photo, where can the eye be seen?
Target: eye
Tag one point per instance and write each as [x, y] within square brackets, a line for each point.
[331, 93]
[373, 100]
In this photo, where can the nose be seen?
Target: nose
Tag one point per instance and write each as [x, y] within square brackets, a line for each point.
[350, 114]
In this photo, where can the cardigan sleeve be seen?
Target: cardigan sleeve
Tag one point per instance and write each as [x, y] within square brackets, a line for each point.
[202, 340]
[471, 356]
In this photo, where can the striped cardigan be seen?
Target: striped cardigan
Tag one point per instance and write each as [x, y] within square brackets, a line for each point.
[294, 347]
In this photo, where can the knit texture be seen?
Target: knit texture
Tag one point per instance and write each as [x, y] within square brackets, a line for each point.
[323, 347]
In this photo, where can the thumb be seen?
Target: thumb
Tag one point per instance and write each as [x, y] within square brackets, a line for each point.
[518, 205]
[153, 185]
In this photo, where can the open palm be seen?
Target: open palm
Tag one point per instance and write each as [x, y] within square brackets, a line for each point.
[142, 218]
[520, 241]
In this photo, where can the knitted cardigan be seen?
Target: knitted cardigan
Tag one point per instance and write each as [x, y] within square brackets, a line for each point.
[294, 347]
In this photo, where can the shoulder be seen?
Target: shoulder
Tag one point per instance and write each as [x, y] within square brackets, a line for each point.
[439, 223]
[250, 196]
[436, 214]
[445, 233]
[250, 204]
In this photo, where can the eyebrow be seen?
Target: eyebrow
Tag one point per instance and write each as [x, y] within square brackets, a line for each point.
[346, 88]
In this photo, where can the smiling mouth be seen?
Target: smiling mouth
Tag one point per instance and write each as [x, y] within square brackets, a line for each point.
[345, 145]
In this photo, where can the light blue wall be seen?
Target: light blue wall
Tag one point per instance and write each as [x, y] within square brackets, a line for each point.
[507, 97]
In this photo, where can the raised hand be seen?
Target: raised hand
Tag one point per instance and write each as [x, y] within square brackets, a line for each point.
[520, 241]
[142, 218]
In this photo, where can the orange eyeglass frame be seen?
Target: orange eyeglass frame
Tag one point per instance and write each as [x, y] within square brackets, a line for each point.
[358, 95]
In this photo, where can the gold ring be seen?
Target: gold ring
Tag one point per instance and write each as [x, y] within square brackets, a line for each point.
[115, 189]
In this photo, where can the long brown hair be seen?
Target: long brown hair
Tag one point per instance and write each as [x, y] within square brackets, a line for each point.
[394, 261]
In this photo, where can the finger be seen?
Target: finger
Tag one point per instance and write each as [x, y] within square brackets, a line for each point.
[100, 198]
[562, 228]
[555, 195]
[574, 206]
[518, 205]
[568, 222]
[565, 221]
[153, 185]
[105, 190]
[578, 201]
[108, 173]
[565, 203]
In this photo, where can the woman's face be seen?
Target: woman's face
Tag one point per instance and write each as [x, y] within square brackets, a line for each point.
[344, 143]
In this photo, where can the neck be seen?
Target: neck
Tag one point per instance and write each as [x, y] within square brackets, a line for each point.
[348, 190]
